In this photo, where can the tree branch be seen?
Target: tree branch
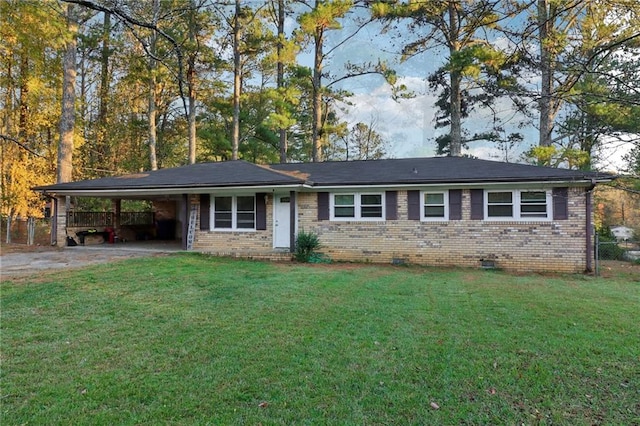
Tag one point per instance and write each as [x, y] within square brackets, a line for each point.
[21, 145]
[130, 20]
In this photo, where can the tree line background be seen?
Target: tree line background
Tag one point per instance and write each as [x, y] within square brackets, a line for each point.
[94, 88]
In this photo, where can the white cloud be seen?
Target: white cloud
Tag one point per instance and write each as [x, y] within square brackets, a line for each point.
[610, 155]
[404, 123]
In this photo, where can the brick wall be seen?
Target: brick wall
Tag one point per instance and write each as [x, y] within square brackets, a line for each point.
[249, 244]
[524, 246]
[557, 246]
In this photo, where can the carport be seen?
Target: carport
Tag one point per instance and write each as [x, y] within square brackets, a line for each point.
[166, 225]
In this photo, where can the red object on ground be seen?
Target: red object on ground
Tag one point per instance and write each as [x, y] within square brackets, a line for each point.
[112, 234]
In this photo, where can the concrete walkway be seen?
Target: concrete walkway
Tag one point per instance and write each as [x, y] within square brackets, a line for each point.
[52, 258]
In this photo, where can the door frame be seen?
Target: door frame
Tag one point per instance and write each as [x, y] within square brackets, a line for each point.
[293, 222]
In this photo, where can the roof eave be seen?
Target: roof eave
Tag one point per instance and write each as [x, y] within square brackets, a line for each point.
[462, 183]
[159, 191]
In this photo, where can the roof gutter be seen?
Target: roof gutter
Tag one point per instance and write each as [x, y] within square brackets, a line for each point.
[459, 185]
[142, 192]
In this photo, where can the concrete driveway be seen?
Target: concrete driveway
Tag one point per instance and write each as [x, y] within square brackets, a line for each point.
[16, 261]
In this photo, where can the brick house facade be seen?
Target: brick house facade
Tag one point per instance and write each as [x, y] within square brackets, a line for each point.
[433, 211]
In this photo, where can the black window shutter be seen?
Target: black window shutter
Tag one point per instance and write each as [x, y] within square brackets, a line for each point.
[205, 212]
[455, 204]
[477, 204]
[413, 205]
[391, 205]
[323, 206]
[261, 211]
[560, 205]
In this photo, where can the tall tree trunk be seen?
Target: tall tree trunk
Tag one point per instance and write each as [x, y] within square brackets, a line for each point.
[280, 79]
[316, 125]
[152, 110]
[237, 83]
[67, 116]
[455, 145]
[191, 83]
[23, 117]
[152, 115]
[102, 144]
[545, 103]
[191, 118]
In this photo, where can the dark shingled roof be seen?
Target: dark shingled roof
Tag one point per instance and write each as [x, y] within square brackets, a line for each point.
[431, 171]
[409, 171]
[223, 174]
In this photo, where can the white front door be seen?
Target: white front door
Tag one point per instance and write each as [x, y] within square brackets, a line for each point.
[282, 221]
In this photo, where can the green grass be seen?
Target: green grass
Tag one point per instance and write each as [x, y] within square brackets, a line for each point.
[191, 339]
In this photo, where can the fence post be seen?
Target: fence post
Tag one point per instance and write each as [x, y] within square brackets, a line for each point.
[31, 231]
[9, 229]
[597, 254]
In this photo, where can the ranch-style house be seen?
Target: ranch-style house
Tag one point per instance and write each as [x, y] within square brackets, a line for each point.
[448, 211]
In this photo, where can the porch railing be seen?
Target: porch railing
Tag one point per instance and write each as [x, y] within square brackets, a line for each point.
[102, 219]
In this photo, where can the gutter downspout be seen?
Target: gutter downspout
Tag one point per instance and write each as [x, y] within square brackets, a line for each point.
[589, 226]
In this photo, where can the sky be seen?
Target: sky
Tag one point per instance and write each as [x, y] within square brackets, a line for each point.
[408, 124]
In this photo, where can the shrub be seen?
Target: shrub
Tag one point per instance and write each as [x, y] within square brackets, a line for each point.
[306, 245]
[608, 248]
[610, 251]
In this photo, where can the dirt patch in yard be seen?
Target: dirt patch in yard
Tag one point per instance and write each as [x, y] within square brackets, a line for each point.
[616, 268]
[21, 260]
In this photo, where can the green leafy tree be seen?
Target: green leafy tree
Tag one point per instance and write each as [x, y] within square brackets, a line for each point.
[33, 38]
[360, 142]
[324, 16]
[578, 42]
[460, 28]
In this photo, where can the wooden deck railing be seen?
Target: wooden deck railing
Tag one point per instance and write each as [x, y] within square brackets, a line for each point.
[103, 219]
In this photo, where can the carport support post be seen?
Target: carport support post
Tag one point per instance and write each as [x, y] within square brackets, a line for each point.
[186, 214]
[116, 207]
[61, 221]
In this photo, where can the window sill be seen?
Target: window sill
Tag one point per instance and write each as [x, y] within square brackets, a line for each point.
[227, 231]
[517, 221]
[354, 220]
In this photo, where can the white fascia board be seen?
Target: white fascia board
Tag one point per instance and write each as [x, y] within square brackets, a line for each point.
[468, 185]
[156, 192]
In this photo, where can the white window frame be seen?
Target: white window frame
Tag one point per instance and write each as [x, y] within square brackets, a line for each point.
[234, 213]
[516, 203]
[357, 200]
[423, 200]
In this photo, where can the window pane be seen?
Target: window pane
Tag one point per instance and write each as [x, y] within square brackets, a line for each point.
[500, 211]
[222, 220]
[245, 204]
[245, 220]
[223, 204]
[344, 212]
[533, 210]
[500, 197]
[343, 200]
[533, 197]
[434, 211]
[375, 199]
[434, 198]
[371, 211]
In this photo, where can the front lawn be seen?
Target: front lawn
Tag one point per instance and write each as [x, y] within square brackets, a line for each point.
[195, 340]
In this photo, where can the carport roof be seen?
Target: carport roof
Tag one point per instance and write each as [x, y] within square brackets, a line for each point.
[202, 175]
